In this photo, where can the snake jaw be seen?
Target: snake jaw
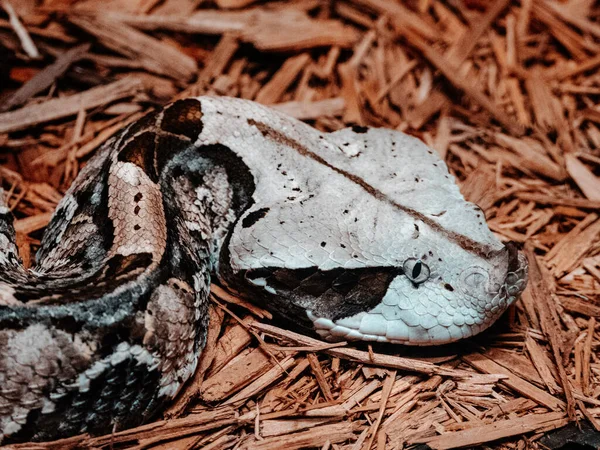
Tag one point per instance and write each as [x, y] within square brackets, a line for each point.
[404, 321]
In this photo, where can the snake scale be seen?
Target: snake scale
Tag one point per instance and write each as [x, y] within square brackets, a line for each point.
[359, 234]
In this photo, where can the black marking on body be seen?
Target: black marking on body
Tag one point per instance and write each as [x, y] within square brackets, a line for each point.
[94, 285]
[151, 147]
[242, 180]
[120, 265]
[183, 117]
[168, 146]
[91, 203]
[140, 151]
[152, 151]
[464, 242]
[123, 394]
[148, 122]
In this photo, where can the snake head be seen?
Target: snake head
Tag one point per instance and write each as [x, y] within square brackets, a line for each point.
[369, 237]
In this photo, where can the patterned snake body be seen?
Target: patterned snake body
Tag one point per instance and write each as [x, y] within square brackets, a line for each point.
[359, 234]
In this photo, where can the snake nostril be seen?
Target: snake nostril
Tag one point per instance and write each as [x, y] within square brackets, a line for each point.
[474, 281]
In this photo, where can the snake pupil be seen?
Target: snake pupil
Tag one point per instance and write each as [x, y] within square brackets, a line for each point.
[417, 269]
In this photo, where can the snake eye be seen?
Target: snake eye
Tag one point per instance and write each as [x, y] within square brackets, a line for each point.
[416, 270]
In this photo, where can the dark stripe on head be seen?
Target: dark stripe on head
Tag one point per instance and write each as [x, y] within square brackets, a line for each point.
[184, 117]
[466, 243]
[254, 217]
[334, 294]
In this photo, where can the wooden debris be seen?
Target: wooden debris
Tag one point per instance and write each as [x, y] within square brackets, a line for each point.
[506, 92]
[67, 106]
[585, 179]
[394, 362]
[331, 107]
[528, 390]
[268, 29]
[26, 41]
[152, 54]
[498, 430]
[44, 79]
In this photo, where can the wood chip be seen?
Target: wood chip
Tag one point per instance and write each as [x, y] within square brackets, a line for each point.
[502, 429]
[44, 79]
[153, 54]
[63, 107]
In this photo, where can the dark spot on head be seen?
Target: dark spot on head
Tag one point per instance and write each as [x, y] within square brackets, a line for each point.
[323, 244]
[448, 287]
[136, 227]
[254, 217]
[138, 197]
[342, 245]
[416, 227]
[359, 129]
[184, 117]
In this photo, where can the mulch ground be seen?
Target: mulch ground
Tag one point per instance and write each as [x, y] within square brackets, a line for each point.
[506, 92]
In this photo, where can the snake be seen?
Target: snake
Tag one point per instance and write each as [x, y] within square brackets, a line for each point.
[355, 234]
